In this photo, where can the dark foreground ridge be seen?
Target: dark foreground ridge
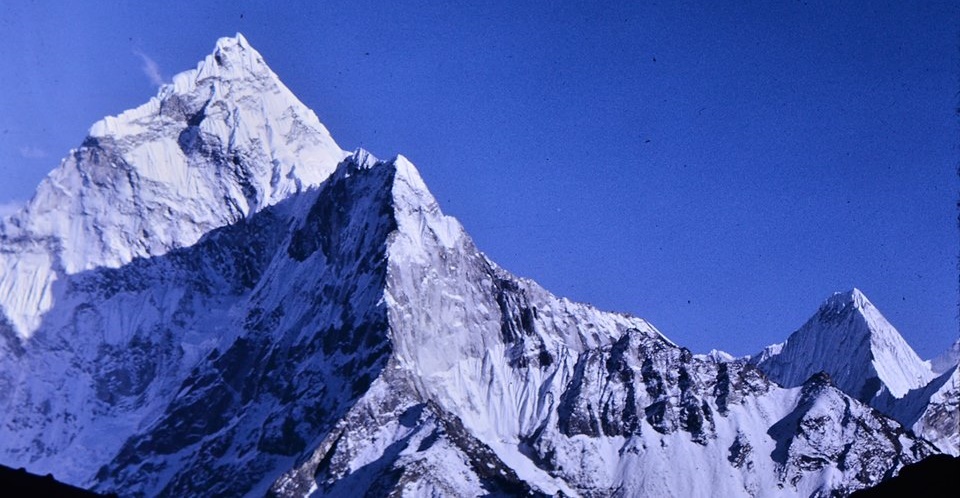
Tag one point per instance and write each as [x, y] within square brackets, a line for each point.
[936, 475]
[22, 483]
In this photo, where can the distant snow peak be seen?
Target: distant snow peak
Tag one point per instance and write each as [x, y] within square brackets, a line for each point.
[867, 358]
[363, 159]
[840, 301]
[359, 161]
[849, 339]
[717, 356]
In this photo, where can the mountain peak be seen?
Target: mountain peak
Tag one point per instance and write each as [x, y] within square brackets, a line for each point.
[216, 289]
[362, 159]
[232, 56]
[839, 301]
[218, 144]
[849, 339]
[232, 71]
[237, 40]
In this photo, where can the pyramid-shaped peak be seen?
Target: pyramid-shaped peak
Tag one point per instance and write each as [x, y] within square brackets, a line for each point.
[232, 61]
[364, 157]
[840, 301]
[220, 143]
[852, 341]
[234, 72]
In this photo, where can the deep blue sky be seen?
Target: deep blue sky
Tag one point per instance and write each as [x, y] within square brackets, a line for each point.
[717, 170]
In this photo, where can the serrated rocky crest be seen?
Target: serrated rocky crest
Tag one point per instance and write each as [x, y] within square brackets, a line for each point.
[209, 297]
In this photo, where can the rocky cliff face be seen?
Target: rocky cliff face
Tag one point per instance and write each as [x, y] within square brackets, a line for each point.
[226, 303]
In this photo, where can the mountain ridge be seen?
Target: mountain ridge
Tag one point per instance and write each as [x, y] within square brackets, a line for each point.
[349, 337]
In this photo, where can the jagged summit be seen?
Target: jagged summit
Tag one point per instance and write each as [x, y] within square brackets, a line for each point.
[233, 58]
[361, 158]
[235, 42]
[852, 341]
[232, 65]
[223, 141]
[230, 122]
[209, 297]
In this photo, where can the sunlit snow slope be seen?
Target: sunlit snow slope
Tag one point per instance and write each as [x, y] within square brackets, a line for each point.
[210, 298]
[868, 359]
[221, 142]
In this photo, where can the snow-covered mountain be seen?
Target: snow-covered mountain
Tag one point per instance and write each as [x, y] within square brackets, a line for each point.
[849, 339]
[931, 411]
[209, 297]
[221, 142]
[868, 359]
